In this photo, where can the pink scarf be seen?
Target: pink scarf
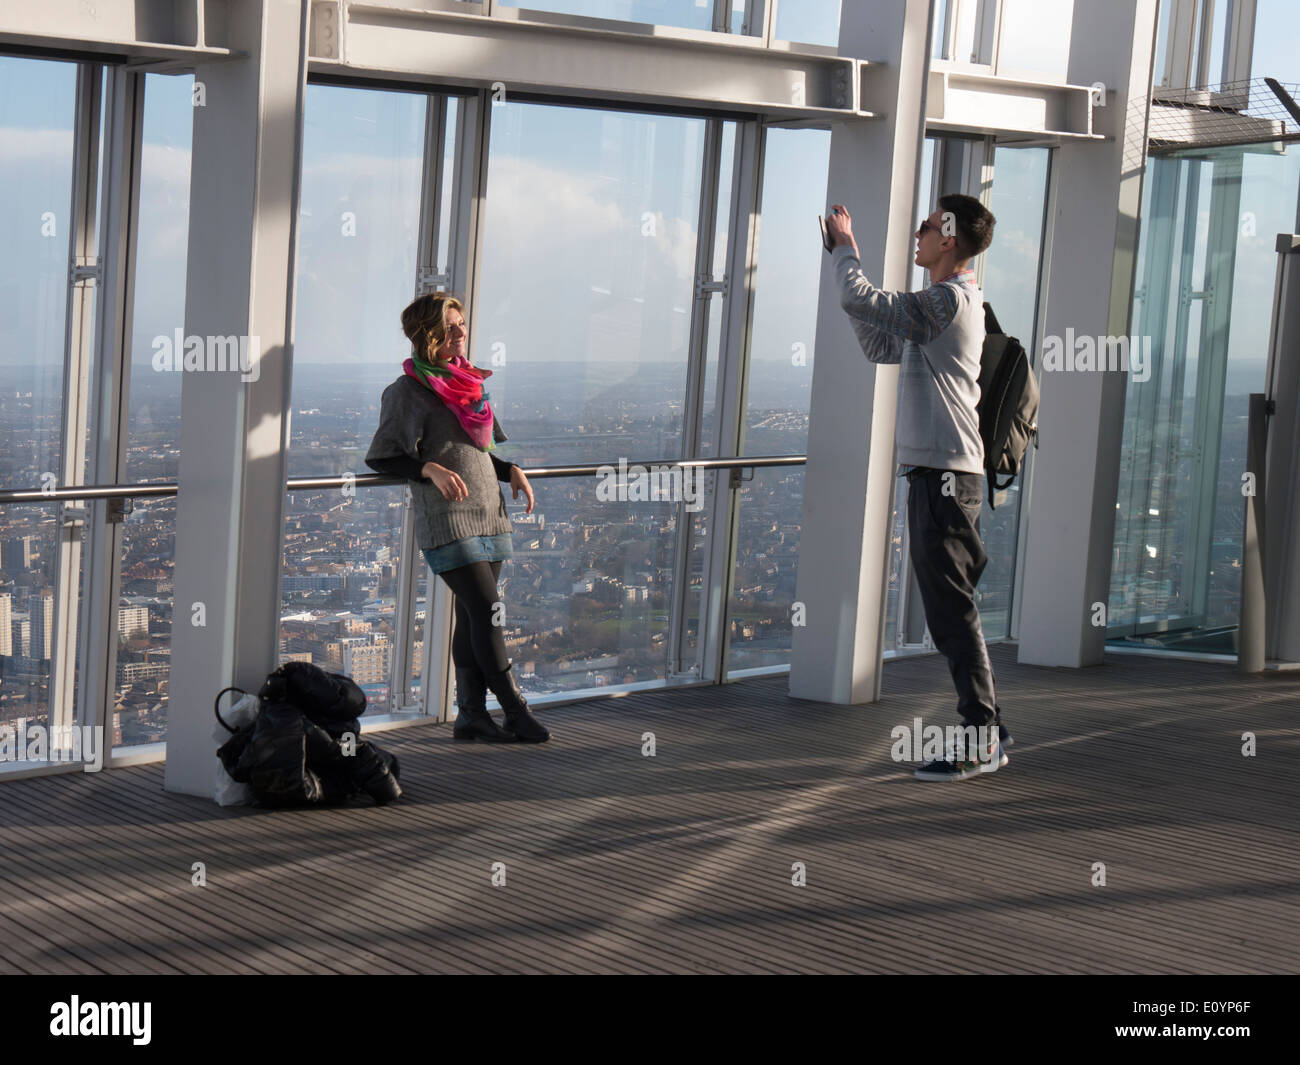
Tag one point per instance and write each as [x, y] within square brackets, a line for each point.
[460, 386]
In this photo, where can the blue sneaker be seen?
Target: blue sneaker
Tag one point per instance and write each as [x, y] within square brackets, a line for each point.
[962, 765]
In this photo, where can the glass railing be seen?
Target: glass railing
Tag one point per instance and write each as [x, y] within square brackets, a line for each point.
[298, 484]
[589, 591]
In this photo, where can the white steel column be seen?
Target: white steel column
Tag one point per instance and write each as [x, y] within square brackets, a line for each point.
[737, 310]
[244, 196]
[430, 277]
[1281, 480]
[464, 249]
[849, 479]
[124, 110]
[85, 268]
[1071, 525]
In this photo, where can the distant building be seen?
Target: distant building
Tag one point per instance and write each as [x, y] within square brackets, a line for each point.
[20, 629]
[134, 672]
[17, 554]
[40, 608]
[6, 625]
[317, 582]
[132, 620]
[365, 662]
[353, 625]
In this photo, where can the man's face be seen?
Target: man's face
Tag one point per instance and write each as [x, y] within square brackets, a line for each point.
[930, 240]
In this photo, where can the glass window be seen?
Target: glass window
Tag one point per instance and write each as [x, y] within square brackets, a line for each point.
[925, 203]
[1012, 268]
[784, 328]
[899, 568]
[36, 129]
[145, 605]
[937, 36]
[1018, 202]
[687, 14]
[1162, 45]
[809, 21]
[1214, 72]
[965, 45]
[363, 176]
[583, 311]
[713, 306]
[1035, 38]
[1177, 577]
[587, 280]
[37, 108]
[688, 652]
[1274, 53]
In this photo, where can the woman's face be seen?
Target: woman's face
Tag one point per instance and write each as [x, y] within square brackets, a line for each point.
[457, 341]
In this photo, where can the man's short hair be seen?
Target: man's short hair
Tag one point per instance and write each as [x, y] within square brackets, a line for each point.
[974, 223]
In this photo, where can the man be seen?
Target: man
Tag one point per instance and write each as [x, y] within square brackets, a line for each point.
[936, 336]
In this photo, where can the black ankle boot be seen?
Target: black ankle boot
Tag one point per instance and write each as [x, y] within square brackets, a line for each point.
[474, 722]
[519, 722]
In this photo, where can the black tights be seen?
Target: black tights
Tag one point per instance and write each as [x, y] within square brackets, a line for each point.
[476, 642]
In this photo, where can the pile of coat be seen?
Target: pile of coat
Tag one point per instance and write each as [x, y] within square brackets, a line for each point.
[305, 747]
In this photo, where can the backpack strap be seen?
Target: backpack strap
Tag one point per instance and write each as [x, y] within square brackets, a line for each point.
[216, 705]
[991, 323]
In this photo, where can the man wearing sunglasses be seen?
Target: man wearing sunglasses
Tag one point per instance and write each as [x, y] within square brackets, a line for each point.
[936, 336]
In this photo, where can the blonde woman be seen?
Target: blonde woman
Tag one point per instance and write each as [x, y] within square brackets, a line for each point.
[437, 429]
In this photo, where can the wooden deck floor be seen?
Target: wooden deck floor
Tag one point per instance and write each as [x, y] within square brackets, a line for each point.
[615, 862]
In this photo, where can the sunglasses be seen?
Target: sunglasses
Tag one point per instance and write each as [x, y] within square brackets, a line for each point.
[926, 227]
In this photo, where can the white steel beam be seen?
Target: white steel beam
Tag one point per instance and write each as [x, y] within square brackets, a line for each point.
[849, 480]
[1071, 531]
[1281, 474]
[153, 34]
[595, 61]
[960, 100]
[240, 282]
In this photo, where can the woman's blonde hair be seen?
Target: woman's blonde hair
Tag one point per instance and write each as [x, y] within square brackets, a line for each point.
[424, 321]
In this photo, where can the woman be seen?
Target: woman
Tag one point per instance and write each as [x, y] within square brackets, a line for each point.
[437, 429]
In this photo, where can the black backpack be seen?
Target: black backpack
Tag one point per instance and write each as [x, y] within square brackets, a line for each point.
[291, 754]
[1008, 406]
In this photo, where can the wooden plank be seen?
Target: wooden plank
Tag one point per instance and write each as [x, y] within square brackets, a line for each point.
[681, 863]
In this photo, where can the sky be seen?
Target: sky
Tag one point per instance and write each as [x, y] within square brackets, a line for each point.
[590, 240]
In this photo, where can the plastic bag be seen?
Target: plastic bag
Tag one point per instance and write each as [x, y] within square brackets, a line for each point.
[226, 790]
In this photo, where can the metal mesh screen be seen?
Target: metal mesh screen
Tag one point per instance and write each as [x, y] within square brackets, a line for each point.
[1257, 111]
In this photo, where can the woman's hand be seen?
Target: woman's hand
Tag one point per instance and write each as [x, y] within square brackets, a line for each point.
[520, 484]
[447, 482]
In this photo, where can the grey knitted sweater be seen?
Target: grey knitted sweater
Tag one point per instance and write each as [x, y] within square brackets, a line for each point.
[416, 423]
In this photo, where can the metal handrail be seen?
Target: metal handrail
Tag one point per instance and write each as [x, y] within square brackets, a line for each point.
[301, 484]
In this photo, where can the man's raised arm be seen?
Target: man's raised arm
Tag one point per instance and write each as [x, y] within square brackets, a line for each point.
[883, 320]
[919, 316]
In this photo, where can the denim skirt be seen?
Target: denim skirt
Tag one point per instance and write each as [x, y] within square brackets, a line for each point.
[468, 551]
